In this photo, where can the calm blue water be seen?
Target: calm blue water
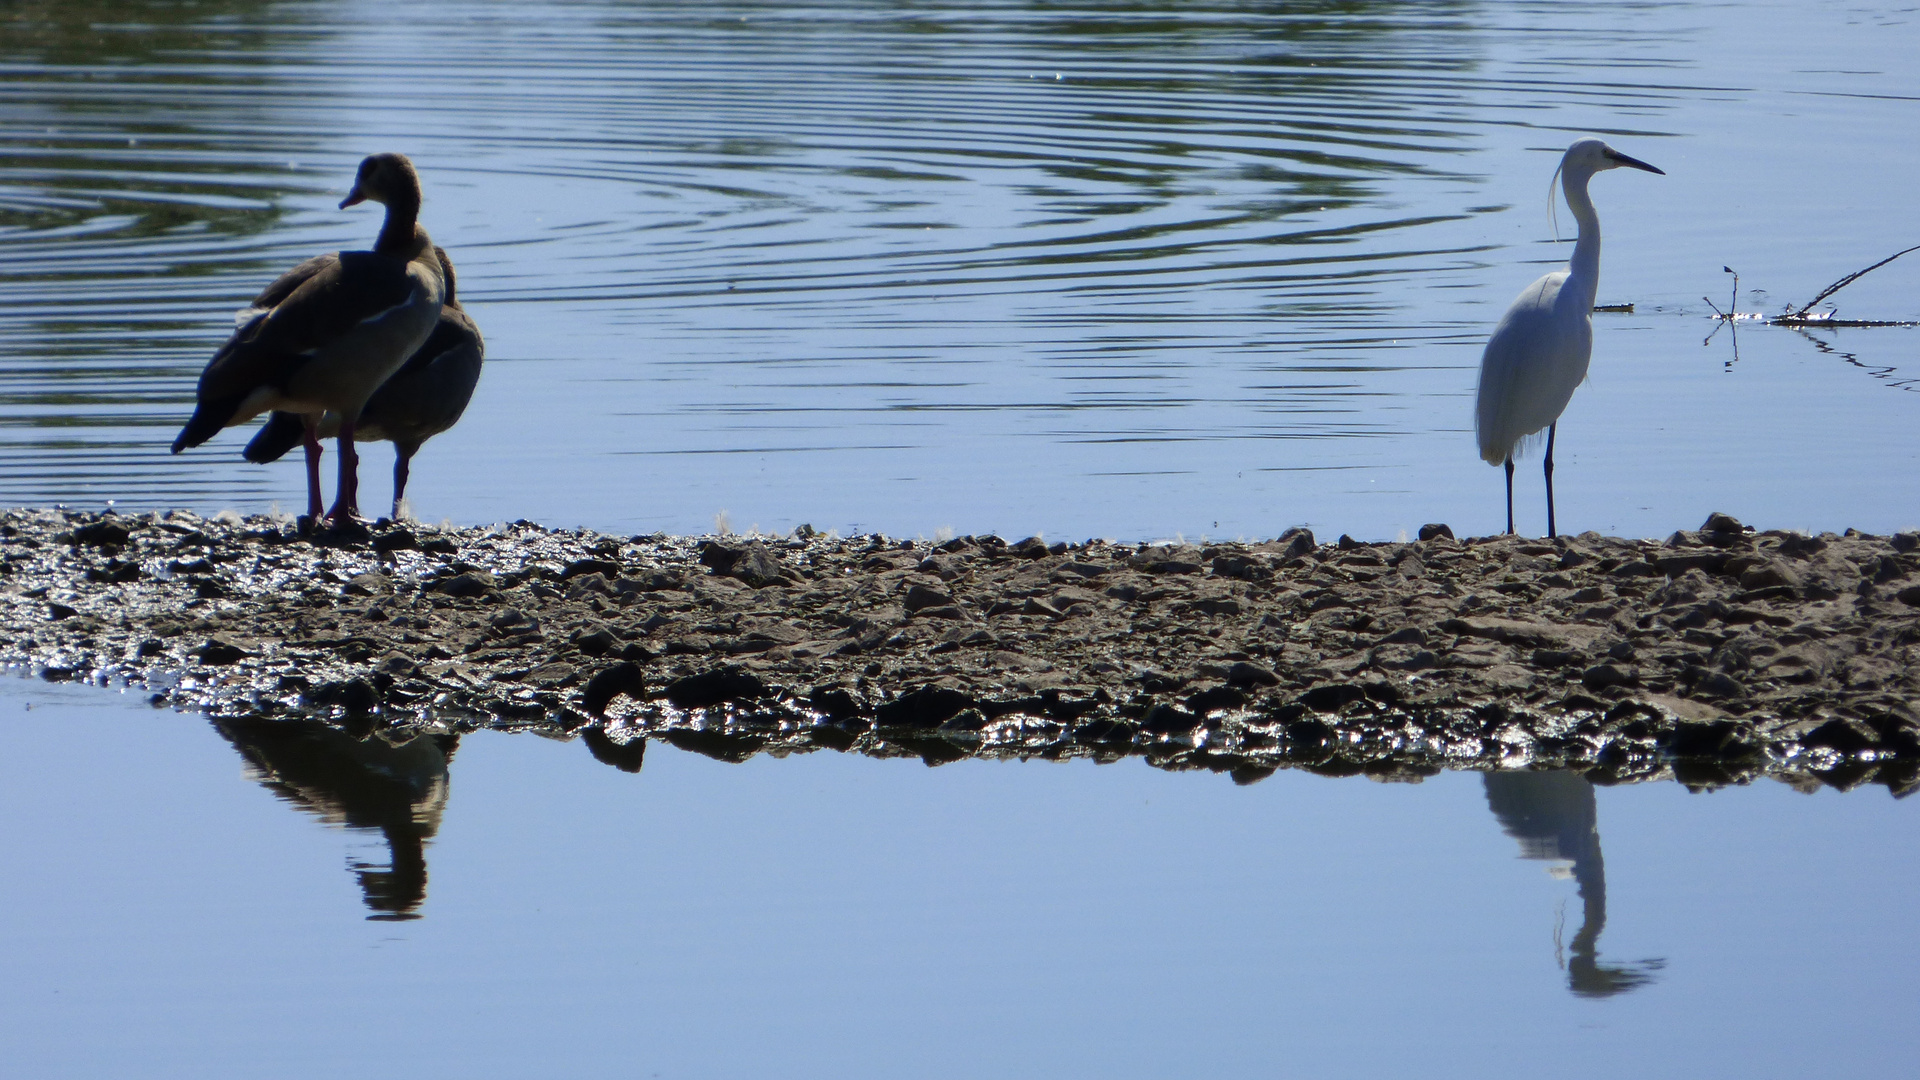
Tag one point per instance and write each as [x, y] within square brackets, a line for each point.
[172, 910]
[1126, 270]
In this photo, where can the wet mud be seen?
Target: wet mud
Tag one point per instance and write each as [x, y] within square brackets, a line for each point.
[1712, 657]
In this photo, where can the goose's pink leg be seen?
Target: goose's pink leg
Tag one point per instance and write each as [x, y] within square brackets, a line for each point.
[312, 443]
[347, 503]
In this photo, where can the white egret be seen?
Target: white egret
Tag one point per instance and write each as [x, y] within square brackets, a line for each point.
[1539, 352]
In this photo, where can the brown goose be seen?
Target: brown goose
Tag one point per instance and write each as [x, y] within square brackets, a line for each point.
[331, 331]
[424, 398]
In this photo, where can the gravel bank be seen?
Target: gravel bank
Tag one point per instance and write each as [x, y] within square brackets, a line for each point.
[1713, 656]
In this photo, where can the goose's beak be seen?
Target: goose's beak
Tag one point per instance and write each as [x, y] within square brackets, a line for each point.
[1619, 158]
[358, 196]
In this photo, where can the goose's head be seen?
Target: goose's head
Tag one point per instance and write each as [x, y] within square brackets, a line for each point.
[384, 178]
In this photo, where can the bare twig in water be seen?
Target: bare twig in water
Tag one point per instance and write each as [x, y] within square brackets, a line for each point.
[1726, 318]
[1800, 316]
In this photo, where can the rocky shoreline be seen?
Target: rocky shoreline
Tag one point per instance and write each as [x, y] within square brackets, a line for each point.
[1712, 657]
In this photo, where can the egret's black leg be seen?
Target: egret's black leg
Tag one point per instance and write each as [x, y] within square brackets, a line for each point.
[1509, 495]
[1551, 428]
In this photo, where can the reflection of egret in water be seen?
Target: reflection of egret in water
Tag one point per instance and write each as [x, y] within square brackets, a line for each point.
[360, 784]
[1554, 816]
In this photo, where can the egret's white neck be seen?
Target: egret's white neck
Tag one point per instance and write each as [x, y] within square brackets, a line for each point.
[1583, 270]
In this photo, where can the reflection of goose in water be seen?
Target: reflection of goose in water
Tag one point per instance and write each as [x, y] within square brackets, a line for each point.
[360, 784]
[1554, 816]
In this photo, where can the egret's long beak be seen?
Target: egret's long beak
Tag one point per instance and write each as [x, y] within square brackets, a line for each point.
[358, 196]
[1619, 158]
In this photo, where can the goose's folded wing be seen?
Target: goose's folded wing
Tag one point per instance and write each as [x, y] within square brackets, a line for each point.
[327, 303]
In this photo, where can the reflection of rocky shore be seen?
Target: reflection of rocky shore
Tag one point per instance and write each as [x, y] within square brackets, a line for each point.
[1715, 656]
[1554, 816]
[398, 788]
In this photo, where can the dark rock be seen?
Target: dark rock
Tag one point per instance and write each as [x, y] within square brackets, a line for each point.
[439, 545]
[1347, 543]
[101, 534]
[1106, 732]
[115, 572]
[1601, 676]
[925, 596]
[1249, 773]
[1084, 569]
[1299, 543]
[719, 745]
[709, 688]
[1770, 592]
[595, 640]
[1309, 736]
[1243, 674]
[56, 612]
[953, 612]
[719, 555]
[368, 584]
[1031, 548]
[1243, 567]
[1164, 719]
[1061, 704]
[357, 696]
[1435, 531]
[1909, 595]
[397, 665]
[929, 706]
[1712, 738]
[398, 538]
[966, 720]
[1383, 692]
[1906, 541]
[606, 568]
[756, 566]
[1217, 605]
[1679, 563]
[626, 756]
[1216, 699]
[1723, 525]
[584, 584]
[609, 683]
[1799, 546]
[1842, 734]
[1332, 697]
[216, 651]
[834, 702]
[513, 622]
[467, 586]
[1704, 683]
[1167, 560]
[1770, 575]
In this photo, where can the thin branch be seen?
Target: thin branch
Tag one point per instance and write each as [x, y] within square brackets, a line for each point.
[1801, 315]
